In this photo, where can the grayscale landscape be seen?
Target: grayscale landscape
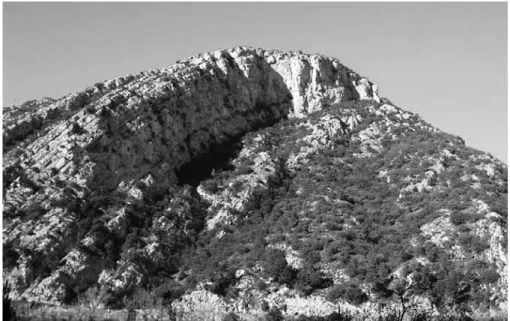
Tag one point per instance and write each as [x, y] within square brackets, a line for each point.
[247, 184]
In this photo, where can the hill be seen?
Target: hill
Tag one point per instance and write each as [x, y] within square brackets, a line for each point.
[250, 179]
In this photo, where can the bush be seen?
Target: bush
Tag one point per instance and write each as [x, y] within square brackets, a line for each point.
[274, 315]
[350, 292]
[336, 316]
[90, 109]
[334, 293]
[458, 218]
[231, 316]
[286, 276]
[479, 244]
[310, 279]
[77, 129]
[141, 299]
[210, 186]
[276, 266]
[244, 169]
[99, 85]
[222, 283]
[237, 186]
[489, 276]
[169, 291]
[10, 255]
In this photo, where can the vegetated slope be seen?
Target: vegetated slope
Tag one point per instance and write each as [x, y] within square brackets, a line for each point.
[83, 172]
[250, 178]
[392, 209]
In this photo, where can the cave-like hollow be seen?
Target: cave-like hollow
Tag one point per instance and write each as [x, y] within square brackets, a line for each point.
[217, 158]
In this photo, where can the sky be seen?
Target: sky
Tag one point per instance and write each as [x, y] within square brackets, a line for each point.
[445, 61]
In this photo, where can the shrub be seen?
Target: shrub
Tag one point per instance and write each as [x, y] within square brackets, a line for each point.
[210, 186]
[286, 276]
[141, 299]
[168, 290]
[10, 255]
[90, 109]
[310, 279]
[334, 293]
[222, 283]
[458, 218]
[489, 276]
[244, 169]
[274, 315]
[28, 182]
[99, 85]
[77, 129]
[231, 316]
[337, 316]
[351, 293]
[275, 263]
[237, 186]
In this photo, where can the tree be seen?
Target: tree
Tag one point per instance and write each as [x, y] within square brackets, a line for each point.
[402, 290]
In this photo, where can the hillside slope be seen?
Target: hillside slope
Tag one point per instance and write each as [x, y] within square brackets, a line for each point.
[245, 178]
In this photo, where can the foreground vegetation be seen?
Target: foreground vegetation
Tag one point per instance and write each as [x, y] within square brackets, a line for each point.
[43, 313]
[362, 216]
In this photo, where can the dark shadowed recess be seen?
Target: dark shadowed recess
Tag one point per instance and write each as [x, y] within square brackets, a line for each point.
[218, 158]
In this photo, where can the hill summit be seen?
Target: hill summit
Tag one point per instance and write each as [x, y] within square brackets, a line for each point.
[250, 180]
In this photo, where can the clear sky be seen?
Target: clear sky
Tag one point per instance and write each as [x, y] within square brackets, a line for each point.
[445, 61]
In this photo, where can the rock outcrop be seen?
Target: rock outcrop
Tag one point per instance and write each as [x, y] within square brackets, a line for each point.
[245, 178]
[122, 131]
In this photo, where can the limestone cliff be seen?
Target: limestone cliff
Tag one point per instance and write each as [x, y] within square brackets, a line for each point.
[195, 180]
[146, 126]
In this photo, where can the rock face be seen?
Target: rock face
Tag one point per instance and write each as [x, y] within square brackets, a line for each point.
[121, 131]
[114, 186]
[171, 115]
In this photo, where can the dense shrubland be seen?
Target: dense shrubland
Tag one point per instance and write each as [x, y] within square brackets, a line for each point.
[368, 227]
[361, 216]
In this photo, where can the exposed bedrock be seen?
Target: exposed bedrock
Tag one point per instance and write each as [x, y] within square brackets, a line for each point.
[144, 127]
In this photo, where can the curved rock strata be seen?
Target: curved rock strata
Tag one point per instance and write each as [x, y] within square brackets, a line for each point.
[141, 129]
[244, 180]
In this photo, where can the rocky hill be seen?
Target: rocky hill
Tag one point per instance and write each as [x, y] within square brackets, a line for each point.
[249, 179]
